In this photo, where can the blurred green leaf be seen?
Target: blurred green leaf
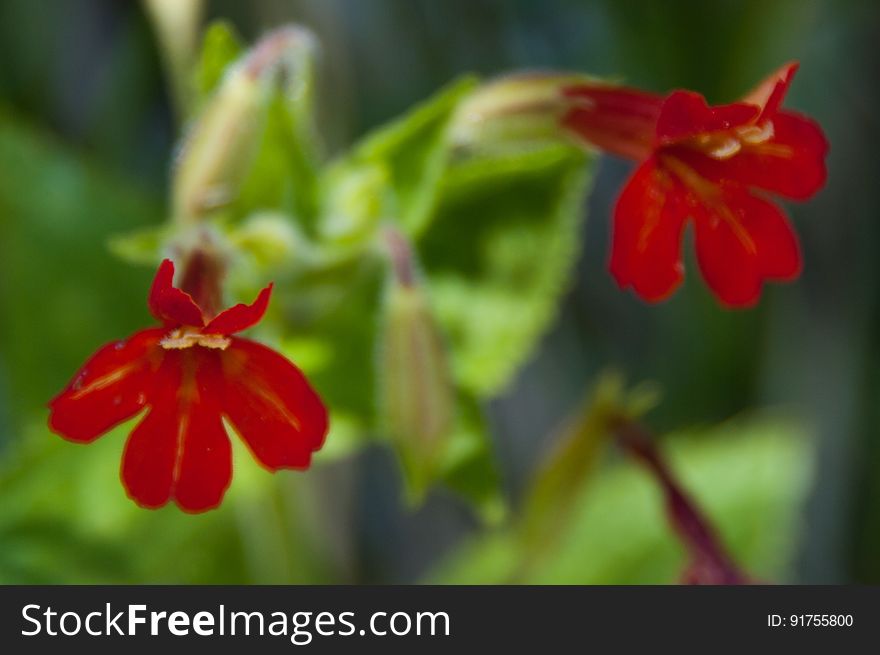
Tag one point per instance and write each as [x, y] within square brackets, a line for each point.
[338, 353]
[220, 47]
[65, 518]
[499, 252]
[412, 151]
[285, 171]
[471, 468]
[751, 477]
[67, 294]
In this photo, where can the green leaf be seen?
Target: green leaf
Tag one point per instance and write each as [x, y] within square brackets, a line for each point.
[751, 477]
[65, 519]
[284, 173]
[499, 254]
[471, 468]
[220, 47]
[337, 351]
[412, 152]
[330, 325]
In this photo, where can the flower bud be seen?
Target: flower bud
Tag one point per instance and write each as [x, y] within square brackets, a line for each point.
[514, 111]
[416, 392]
[218, 152]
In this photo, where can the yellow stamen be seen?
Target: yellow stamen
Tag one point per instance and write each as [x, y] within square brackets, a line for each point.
[186, 337]
[725, 149]
[755, 134]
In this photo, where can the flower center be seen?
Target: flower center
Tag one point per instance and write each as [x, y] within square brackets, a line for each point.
[724, 145]
[187, 337]
[711, 195]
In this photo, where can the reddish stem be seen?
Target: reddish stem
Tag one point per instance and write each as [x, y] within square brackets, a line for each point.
[709, 561]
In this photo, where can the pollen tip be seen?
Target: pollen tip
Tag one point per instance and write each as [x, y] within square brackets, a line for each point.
[181, 338]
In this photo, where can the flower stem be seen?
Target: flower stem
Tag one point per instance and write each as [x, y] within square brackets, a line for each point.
[709, 561]
[400, 256]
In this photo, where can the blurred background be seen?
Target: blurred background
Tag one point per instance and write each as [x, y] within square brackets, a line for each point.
[773, 411]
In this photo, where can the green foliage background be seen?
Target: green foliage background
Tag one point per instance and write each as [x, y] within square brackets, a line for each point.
[771, 410]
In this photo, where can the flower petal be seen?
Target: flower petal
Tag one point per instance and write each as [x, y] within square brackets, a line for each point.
[686, 114]
[206, 453]
[272, 406]
[240, 317]
[180, 450]
[113, 385]
[742, 241]
[617, 119]
[169, 304]
[151, 450]
[770, 93]
[791, 162]
[649, 220]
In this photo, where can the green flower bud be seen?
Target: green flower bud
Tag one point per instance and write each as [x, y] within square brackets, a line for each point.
[514, 111]
[218, 152]
[416, 393]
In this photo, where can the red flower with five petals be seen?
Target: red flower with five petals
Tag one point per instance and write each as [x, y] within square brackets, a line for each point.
[190, 374]
[704, 163]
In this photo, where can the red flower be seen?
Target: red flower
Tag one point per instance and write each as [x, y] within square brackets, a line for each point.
[704, 163]
[191, 373]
